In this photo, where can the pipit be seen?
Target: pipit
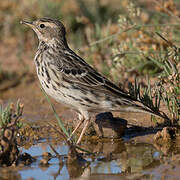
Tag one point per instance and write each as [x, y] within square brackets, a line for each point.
[68, 79]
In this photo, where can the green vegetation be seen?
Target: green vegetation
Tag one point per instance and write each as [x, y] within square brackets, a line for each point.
[61, 125]
[159, 58]
[11, 116]
[10, 124]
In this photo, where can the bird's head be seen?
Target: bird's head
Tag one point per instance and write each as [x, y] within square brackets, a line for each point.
[47, 29]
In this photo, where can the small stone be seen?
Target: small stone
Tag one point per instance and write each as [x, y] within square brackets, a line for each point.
[44, 162]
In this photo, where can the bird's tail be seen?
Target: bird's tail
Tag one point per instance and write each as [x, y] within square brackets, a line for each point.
[140, 107]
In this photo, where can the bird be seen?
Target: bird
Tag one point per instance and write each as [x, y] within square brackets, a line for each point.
[70, 80]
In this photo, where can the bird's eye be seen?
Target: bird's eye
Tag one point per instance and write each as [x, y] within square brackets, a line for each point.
[42, 25]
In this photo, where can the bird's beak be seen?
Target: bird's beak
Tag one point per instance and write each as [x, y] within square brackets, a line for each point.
[27, 23]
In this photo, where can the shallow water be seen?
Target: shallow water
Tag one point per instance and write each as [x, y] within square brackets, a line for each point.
[114, 160]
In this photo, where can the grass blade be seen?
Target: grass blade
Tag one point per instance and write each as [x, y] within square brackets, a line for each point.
[56, 115]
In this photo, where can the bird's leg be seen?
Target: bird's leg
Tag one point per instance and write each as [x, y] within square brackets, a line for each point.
[83, 131]
[81, 118]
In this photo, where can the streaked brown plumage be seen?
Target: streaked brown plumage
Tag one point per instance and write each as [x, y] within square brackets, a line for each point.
[70, 80]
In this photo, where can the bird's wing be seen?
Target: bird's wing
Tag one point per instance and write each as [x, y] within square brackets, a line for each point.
[77, 71]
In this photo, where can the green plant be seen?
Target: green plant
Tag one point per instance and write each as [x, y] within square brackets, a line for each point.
[166, 88]
[170, 80]
[10, 123]
[143, 53]
[61, 125]
[10, 116]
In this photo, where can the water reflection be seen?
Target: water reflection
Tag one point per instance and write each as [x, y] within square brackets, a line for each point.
[117, 159]
[124, 157]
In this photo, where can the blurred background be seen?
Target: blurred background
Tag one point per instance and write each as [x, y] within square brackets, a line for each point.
[117, 37]
[87, 22]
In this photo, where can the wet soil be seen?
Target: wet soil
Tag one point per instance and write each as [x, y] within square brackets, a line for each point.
[112, 160]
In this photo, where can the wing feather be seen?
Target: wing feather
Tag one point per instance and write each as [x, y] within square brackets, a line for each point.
[77, 71]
